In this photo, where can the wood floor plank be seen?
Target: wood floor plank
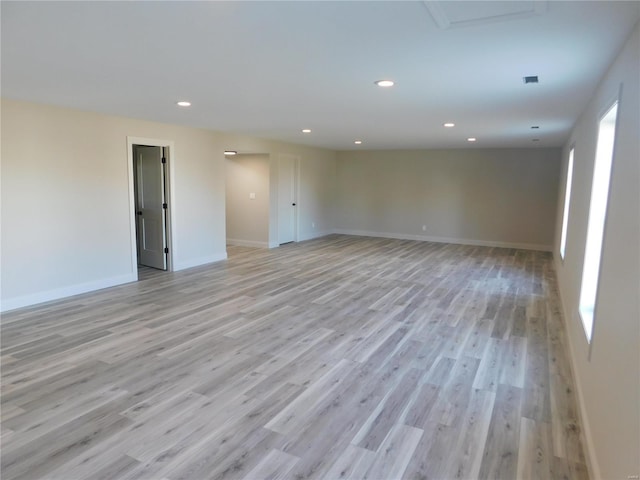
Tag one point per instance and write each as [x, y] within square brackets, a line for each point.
[513, 362]
[389, 410]
[458, 389]
[477, 340]
[116, 469]
[335, 422]
[218, 452]
[440, 372]
[295, 414]
[275, 465]
[562, 469]
[501, 447]
[491, 365]
[420, 409]
[352, 464]
[535, 455]
[433, 453]
[37, 458]
[395, 453]
[536, 402]
[338, 357]
[469, 450]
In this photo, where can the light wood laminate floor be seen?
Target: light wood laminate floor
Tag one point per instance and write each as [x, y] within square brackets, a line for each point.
[341, 357]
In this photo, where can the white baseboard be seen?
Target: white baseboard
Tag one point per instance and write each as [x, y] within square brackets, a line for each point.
[301, 238]
[58, 293]
[587, 438]
[311, 235]
[69, 291]
[247, 243]
[196, 262]
[460, 241]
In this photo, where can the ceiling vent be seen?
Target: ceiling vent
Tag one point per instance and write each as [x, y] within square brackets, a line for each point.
[530, 79]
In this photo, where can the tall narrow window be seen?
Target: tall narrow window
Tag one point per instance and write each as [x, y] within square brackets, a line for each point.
[567, 201]
[597, 214]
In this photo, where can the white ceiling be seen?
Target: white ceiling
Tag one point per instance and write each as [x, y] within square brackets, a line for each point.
[269, 69]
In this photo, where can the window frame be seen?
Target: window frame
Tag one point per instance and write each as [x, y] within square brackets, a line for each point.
[566, 207]
[583, 312]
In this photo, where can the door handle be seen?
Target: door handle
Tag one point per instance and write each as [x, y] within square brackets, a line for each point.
[139, 213]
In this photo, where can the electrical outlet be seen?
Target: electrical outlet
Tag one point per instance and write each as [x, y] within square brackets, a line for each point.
[424, 228]
[313, 224]
[252, 196]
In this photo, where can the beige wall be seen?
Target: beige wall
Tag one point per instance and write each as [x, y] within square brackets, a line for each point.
[65, 200]
[248, 219]
[66, 220]
[316, 183]
[609, 380]
[495, 197]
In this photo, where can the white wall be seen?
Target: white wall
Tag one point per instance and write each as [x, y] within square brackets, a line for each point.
[609, 380]
[248, 219]
[493, 197]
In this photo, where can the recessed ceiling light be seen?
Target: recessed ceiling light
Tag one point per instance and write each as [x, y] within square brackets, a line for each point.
[384, 83]
[306, 130]
[230, 153]
[358, 142]
[471, 139]
[449, 125]
[183, 104]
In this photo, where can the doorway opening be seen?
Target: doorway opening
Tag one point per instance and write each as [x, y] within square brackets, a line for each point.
[248, 199]
[261, 199]
[149, 187]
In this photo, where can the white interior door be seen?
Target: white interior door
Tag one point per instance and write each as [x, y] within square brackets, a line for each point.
[286, 199]
[150, 200]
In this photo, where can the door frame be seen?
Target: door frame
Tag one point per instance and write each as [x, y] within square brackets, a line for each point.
[169, 186]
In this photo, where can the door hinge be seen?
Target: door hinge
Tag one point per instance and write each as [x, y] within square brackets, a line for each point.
[164, 160]
[166, 249]
[164, 205]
